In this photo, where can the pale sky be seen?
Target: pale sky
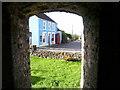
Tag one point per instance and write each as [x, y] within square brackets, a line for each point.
[66, 21]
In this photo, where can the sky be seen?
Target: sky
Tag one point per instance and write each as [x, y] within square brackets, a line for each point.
[67, 22]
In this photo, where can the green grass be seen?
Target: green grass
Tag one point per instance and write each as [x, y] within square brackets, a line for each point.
[54, 73]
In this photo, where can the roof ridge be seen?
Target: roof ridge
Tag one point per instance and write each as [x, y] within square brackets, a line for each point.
[44, 16]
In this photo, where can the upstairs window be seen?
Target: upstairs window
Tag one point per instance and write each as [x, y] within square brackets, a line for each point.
[53, 26]
[44, 25]
[49, 25]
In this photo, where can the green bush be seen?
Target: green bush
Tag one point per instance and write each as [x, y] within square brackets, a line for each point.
[64, 37]
[69, 35]
[75, 37]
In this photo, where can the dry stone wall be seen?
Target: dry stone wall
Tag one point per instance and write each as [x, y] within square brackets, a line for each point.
[55, 54]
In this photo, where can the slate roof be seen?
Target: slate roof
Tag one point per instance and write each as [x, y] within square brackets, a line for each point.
[58, 29]
[43, 16]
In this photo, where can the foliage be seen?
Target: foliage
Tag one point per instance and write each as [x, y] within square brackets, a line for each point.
[75, 37]
[54, 73]
[69, 35]
[64, 37]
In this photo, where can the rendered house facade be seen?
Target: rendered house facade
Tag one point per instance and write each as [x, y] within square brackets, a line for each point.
[44, 30]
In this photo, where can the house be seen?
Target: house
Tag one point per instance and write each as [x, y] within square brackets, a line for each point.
[44, 30]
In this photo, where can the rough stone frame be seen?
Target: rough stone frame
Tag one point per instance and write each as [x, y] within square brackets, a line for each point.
[17, 15]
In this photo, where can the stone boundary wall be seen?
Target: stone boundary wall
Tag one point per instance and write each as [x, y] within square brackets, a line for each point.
[55, 54]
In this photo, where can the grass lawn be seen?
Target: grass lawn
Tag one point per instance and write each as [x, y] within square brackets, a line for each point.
[54, 73]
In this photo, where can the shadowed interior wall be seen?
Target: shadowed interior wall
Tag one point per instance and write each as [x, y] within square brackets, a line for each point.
[17, 65]
[108, 69]
[91, 49]
[20, 51]
[7, 63]
[18, 40]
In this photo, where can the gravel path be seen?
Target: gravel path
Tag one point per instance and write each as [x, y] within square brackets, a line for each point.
[74, 46]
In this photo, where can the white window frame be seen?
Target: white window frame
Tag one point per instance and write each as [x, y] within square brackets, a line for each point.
[53, 42]
[30, 38]
[44, 25]
[43, 38]
[53, 26]
[49, 34]
[49, 25]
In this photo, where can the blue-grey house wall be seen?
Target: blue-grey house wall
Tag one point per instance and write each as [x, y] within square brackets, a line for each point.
[47, 30]
[33, 27]
[37, 29]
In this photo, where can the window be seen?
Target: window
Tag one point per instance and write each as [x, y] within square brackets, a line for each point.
[30, 34]
[49, 25]
[44, 38]
[49, 40]
[30, 38]
[40, 38]
[44, 25]
[53, 26]
[52, 37]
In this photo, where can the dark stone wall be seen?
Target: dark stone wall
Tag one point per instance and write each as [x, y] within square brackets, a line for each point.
[7, 63]
[16, 62]
[20, 53]
[91, 49]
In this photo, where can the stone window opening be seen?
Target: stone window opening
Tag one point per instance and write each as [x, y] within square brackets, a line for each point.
[16, 20]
